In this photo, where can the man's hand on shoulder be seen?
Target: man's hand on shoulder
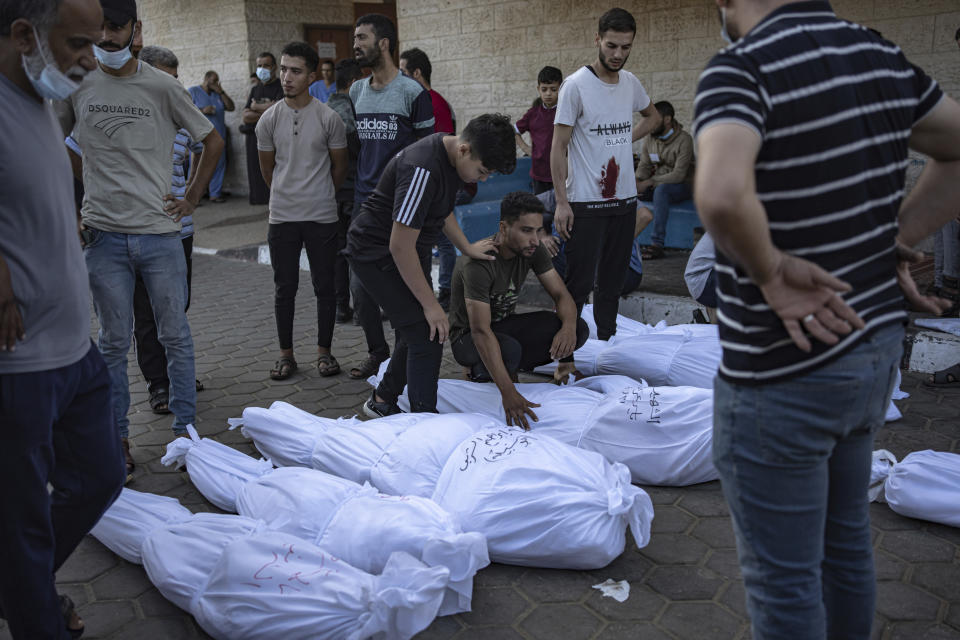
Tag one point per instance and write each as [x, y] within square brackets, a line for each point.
[552, 245]
[516, 408]
[480, 250]
[11, 322]
[177, 209]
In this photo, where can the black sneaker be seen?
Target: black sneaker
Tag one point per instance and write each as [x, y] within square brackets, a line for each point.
[374, 409]
[443, 297]
[344, 315]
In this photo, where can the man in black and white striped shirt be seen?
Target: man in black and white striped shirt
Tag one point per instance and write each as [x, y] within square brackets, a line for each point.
[803, 127]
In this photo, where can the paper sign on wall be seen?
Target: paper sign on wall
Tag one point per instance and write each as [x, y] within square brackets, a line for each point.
[327, 50]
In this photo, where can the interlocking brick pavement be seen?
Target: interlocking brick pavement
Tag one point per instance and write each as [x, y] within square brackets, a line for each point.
[685, 584]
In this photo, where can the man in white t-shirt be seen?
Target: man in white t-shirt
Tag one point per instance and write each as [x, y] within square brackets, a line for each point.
[592, 165]
[302, 145]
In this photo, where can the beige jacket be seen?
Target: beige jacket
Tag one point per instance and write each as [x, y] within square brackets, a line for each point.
[674, 158]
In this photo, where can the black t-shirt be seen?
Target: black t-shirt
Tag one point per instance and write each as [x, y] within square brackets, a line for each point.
[273, 90]
[417, 189]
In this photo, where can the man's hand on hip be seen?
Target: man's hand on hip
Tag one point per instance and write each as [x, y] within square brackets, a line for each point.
[177, 209]
[806, 298]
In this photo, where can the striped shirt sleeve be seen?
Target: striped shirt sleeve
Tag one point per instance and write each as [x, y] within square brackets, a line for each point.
[413, 195]
[929, 92]
[728, 91]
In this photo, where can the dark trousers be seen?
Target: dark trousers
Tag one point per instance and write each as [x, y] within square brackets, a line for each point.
[524, 339]
[57, 427]
[285, 240]
[631, 282]
[598, 256]
[259, 191]
[341, 276]
[415, 362]
[539, 186]
[150, 354]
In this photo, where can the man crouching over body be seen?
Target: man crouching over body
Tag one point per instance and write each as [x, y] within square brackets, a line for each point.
[488, 336]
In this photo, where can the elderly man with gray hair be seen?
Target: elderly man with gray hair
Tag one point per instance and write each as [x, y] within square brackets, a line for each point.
[61, 464]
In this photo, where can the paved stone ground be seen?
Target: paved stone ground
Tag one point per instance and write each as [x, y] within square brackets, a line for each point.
[684, 584]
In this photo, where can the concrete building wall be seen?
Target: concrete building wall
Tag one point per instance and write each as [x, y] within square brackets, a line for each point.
[486, 53]
[226, 36]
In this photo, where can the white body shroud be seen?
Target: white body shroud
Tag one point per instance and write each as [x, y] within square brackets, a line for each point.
[556, 506]
[355, 523]
[924, 485]
[662, 434]
[242, 580]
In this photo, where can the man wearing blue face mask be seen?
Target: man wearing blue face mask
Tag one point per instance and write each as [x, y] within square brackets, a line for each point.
[56, 424]
[665, 174]
[127, 117]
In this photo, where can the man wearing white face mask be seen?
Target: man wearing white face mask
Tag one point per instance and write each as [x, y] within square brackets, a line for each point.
[262, 97]
[127, 117]
[55, 418]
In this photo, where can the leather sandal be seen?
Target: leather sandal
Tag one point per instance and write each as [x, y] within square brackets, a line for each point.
[367, 368]
[284, 368]
[69, 612]
[327, 365]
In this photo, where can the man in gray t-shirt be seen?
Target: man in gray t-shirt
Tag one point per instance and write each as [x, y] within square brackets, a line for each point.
[302, 145]
[55, 419]
[127, 115]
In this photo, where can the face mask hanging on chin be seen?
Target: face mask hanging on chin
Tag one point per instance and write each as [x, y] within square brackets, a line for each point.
[723, 26]
[52, 84]
[114, 59]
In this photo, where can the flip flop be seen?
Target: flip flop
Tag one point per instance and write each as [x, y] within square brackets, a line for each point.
[284, 368]
[946, 378]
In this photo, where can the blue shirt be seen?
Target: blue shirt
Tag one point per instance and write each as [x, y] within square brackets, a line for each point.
[321, 91]
[203, 99]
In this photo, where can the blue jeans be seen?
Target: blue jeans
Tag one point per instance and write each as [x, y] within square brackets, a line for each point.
[794, 461]
[114, 260]
[216, 180]
[663, 196]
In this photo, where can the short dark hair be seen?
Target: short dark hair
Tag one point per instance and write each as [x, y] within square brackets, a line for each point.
[329, 62]
[517, 203]
[40, 13]
[619, 20]
[210, 74]
[549, 75]
[382, 28]
[664, 108]
[305, 51]
[347, 71]
[491, 139]
[417, 59]
[267, 54]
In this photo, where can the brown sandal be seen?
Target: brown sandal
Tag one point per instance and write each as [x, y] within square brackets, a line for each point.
[653, 252]
[284, 368]
[327, 365]
[367, 368]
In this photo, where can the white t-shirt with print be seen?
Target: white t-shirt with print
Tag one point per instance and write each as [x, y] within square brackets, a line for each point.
[600, 155]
